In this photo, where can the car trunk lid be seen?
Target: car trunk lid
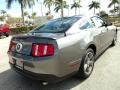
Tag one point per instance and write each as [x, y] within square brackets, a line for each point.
[23, 44]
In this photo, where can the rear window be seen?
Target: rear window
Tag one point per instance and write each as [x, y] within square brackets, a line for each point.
[56, 25]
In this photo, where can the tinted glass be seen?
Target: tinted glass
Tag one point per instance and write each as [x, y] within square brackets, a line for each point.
[57, 25]
[86, 25]
[98, 21]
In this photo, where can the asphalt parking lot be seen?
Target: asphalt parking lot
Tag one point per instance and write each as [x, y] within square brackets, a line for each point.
[106, 74]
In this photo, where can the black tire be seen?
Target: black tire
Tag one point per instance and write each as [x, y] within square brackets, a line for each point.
[114, 40]
[82, 73]
[7, 34]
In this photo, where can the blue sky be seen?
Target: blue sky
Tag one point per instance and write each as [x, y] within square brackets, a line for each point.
[16, 12]
[15, 8]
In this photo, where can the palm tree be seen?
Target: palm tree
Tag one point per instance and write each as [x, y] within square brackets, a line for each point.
[3, 15]
[99, 6]
[79, 5]
[94, 5]
[112, 11]
[41, 6]
[3, 12]
[23, 4]
[117, 9]
[33, 15]
[113, 2]
[60, 5]
[75, 5]
[48, 3]
[26, 14]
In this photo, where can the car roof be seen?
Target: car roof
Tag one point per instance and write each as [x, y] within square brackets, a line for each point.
[82, 16]
[90, 15]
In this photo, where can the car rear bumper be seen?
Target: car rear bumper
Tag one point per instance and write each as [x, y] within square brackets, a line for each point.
[45, 69]
[42, 77]
[36, 76]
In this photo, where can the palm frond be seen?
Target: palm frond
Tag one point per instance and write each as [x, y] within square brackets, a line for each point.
[113, 2]
[9, 2]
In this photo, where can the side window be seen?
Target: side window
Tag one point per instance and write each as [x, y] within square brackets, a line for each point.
[85, 25]
[97, 21]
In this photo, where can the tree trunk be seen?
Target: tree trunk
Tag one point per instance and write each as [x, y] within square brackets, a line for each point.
[94, 10]
[75, 11]
[32, 8]
[79, 10]
[62, 15]
[79, 7]
[99, 8]
[22, 12]
[68, 11]
[41, 9]
[49, 10]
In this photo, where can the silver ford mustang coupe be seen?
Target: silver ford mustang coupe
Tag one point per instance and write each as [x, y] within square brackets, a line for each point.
[61, 47]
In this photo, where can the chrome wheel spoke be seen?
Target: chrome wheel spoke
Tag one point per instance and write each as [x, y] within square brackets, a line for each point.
[85, 66]
[89, 63]
[90, 68]
[91, 56]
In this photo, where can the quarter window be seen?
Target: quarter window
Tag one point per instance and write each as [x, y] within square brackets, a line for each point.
[85, 25]
[97, 21]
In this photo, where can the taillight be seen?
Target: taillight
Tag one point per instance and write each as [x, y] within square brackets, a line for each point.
[42, 50]
[11, 45]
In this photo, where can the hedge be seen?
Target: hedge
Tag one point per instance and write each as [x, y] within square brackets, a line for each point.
[114, 20]
[20, 30]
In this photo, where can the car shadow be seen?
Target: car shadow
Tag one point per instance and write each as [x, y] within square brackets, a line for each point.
[10, 80]
[97, 58]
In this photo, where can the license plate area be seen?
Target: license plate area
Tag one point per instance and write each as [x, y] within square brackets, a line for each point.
[18, 63]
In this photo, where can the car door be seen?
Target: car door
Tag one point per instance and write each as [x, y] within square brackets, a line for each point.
[103, 32]
[93, 36]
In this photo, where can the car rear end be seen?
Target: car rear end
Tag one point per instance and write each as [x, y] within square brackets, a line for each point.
[35, 57]
[40, 55]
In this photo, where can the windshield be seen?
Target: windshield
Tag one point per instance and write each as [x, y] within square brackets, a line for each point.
[59, 25]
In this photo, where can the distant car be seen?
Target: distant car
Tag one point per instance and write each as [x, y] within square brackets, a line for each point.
[4, 30]
[61, 47]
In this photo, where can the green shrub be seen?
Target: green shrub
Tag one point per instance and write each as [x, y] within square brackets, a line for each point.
[114, 20]
[21, 30]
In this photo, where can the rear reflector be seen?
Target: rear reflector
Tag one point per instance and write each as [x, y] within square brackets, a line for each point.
[11, 45]
[42, 50]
